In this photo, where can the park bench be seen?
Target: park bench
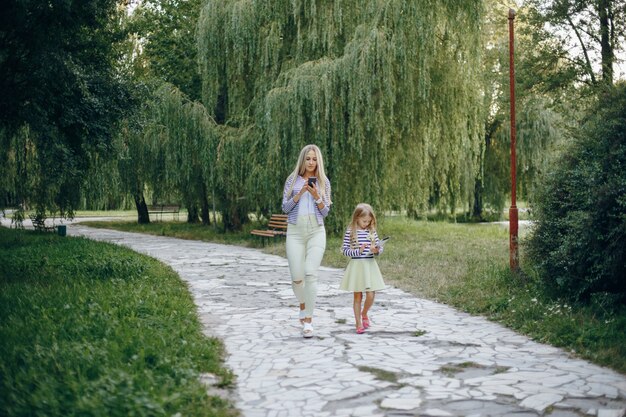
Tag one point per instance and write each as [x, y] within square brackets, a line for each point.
[160, 209]
[39, 224]
[276, 227]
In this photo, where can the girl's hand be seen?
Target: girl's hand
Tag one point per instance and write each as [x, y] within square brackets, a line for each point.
[363, 247]
[375, 250]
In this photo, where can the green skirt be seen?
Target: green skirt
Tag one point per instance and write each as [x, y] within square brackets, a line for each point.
[362, 275]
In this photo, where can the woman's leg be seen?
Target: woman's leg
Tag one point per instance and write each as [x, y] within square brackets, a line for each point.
[358, 298]
[369, 301]
[315, 247]
[296, 251]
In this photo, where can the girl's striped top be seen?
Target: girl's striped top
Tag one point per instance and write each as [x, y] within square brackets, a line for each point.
[291, 208]
[363, 236]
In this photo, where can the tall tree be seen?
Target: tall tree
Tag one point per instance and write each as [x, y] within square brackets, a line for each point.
[594, 29]
[540, 88]
[390, 91]
[58, 84]
[167, 33]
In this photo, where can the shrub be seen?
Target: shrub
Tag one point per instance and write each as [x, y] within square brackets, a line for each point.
[579, 242]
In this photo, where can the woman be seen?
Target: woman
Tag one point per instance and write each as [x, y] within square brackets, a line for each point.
[306, 201]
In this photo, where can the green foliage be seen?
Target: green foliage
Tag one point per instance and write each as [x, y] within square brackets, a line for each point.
[539, 104]
[388, 90]
[539, 132]
[181, 142]
[579, 243]
[595, 28]
[60, 96]
[94, 329]
[167, 29]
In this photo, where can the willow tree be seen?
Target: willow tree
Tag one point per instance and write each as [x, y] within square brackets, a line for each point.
[183, 141]
[390, 90]
[540, 126]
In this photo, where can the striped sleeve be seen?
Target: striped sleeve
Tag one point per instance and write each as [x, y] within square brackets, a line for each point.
[346, 249]
[326, 199]
[377, 243]
[288, 203]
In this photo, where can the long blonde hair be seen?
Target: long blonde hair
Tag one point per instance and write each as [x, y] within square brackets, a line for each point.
[319, 170]
[362, 209]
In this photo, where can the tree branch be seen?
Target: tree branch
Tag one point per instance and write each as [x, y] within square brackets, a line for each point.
[582, 45]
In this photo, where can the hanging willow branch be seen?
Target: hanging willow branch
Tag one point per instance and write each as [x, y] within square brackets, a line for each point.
[390, 91]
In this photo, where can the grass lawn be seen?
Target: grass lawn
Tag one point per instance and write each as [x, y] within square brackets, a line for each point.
[463, 265]
[94, 329]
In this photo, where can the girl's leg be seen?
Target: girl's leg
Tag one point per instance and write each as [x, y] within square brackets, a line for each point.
[369, 301]
[316, 244]
[358, 297]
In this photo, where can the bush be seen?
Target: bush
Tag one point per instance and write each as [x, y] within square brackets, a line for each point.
[579, 242]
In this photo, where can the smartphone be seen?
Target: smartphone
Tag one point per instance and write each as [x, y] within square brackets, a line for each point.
[312, 181]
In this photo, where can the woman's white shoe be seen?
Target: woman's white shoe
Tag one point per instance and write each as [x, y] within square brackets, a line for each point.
[307, 330]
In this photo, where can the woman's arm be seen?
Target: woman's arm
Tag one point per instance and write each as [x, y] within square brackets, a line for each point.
[288, 200]
[324, 206]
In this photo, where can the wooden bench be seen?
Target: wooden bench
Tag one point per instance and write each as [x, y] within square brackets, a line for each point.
[39, 224]
[160, 209]
[276, 227]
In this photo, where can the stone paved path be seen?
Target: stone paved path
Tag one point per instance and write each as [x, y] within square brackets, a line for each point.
[419, 358]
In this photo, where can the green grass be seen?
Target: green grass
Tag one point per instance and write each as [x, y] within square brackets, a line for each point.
[464, 265]
[93, 329]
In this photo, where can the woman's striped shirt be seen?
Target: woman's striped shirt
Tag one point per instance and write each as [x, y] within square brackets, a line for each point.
[363, 236]
[291, 208]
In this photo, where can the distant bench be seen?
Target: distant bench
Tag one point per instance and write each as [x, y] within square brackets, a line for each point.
[160, 209]
[276, 227]
[39, 224]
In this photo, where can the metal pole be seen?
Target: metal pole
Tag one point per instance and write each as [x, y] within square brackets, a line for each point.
[513, 222]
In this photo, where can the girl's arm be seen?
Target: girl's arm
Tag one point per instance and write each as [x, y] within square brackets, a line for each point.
[377, 244]
[346, 249]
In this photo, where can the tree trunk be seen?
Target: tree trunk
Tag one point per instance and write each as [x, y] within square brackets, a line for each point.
[477, 210]
[192, 213]
[205, 213]
[234, 216]
[605, 41]
[142, 209]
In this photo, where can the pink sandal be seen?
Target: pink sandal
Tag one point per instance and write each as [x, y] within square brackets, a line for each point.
[366, 322]
[360, 330]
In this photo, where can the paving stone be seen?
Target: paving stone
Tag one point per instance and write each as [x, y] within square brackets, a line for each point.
[244, 297]
[611, 413]
[401, 403]
[540, 402]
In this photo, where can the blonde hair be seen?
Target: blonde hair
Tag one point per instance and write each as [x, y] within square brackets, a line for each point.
[362, 209]
[319, 169]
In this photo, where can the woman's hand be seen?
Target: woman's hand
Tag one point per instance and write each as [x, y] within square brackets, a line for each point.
[298, 196]
[314, 191]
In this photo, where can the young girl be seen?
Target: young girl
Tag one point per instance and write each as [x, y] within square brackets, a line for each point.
[361, 243]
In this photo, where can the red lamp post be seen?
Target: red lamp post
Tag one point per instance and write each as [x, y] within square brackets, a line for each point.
[513, 222]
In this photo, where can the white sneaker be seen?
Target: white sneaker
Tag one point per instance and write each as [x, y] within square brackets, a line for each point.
[307, 330]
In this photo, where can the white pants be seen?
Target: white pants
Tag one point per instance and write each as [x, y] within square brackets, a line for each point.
[306, 242]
